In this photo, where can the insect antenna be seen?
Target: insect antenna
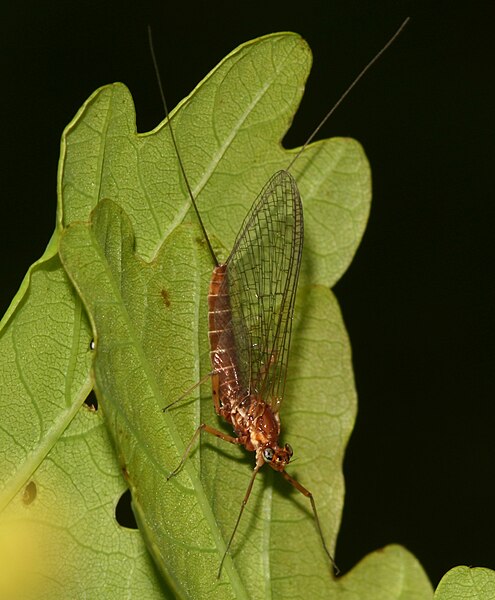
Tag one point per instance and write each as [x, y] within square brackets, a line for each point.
[347, 91]
[174, 141]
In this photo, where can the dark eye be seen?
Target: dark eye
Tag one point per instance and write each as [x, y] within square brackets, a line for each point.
[288, 449]
[268, 454]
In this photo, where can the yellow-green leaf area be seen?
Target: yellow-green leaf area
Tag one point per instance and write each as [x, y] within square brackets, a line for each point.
[467, 583]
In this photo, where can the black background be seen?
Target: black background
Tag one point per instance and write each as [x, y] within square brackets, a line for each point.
[418, 299]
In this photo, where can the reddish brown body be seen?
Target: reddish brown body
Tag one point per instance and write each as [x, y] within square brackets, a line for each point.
[256, 426]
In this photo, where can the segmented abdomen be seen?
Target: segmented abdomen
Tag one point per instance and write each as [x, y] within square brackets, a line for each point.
[223, 353]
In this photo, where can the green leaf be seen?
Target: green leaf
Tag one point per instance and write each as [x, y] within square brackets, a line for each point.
[59, 479]
[59, 537]
[186, 518]
[229, 132]
[150, 323]
[138, 261]
[466, 583]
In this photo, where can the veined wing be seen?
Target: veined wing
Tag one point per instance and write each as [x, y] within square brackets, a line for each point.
[263, 270]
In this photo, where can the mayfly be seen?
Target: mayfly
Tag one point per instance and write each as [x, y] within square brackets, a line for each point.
[250, 307]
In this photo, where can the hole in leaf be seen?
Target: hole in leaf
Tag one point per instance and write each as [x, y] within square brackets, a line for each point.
[123, 511]
[92, 345]
[91, 402]
[29, 493]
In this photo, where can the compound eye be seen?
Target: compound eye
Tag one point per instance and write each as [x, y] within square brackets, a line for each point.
[268, 454]
[288, 449]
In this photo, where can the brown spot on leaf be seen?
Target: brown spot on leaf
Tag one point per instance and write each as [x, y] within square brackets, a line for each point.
[29, 493]
[165, 297]
[201, 242]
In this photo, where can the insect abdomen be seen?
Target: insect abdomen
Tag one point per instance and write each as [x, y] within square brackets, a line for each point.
[223, 354]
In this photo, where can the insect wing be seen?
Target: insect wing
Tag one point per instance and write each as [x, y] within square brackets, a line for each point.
[263, 270]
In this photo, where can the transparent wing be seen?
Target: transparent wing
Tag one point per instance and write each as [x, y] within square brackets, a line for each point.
[263, 270]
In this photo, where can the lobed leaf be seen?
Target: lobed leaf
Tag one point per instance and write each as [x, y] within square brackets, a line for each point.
[138, 262]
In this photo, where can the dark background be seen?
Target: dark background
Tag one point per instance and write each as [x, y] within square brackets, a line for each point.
[418, 299]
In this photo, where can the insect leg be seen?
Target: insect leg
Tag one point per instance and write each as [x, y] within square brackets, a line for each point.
[215, 391]
[309, 495]
[203, 427]
[244, 502]
[187, 392]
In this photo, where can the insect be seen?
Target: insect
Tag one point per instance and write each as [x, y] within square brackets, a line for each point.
[251, 304]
